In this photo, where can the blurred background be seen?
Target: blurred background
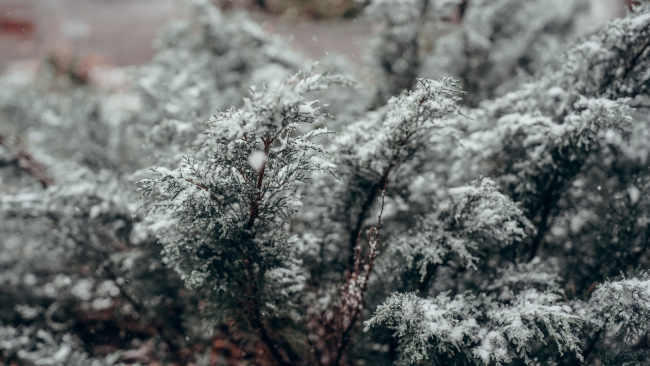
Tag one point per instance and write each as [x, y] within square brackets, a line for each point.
[120, 32]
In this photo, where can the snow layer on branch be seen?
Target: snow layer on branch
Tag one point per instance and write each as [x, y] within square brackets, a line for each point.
[449, 324]
[536, 273]
[386, 137]
[518, 324]
[469, 220]
[556, 118]
[625, 302]
[492, 332]
[610, 63]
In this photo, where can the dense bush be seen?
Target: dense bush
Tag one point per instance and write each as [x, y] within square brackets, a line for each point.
[497, 219]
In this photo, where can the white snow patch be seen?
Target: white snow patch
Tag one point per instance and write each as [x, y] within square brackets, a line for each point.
[257, 159]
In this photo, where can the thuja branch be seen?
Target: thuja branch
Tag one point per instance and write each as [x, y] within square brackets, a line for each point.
[205, 188]
[281, 351]
[400, 137]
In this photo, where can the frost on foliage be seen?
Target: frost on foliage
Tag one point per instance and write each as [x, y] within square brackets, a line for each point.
[448, 324]
[366, 153]
[84, 125]
[556, 118]
[536, 140]
[519, 324]
[260, 218]
[350, 103]
[602, 217]
[609, 63]
[535, 274]
[76, 236]
[75, 220]
[388, 137]
[624, 302]
[469, 220]
[551, 148]
[614, 61]
[229, 205]
[491, 331]
[284, 286]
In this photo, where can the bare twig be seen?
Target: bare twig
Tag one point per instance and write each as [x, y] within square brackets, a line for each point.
[24, 159]
[330, 331]
[205, 188]
[364, 210]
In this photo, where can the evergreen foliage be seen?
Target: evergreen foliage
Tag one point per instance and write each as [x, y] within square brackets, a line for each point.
[497, 219]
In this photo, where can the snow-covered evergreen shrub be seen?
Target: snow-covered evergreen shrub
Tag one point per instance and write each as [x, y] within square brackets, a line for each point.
[499, 43]
[64, 246]
[495, 45]
[412, 230]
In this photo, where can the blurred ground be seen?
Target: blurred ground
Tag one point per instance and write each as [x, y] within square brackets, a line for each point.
[120, 32]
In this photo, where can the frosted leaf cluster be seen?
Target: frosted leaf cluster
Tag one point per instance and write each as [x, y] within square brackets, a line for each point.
[493, 332]
[536, 273]
[470, 217]
[205, 63]
[386, 137]
[622, 303]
